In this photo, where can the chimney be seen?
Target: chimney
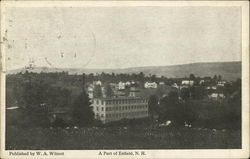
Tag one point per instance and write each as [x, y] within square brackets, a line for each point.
[83, 82]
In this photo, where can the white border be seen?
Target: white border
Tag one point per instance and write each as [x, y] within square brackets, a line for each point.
[225, 153]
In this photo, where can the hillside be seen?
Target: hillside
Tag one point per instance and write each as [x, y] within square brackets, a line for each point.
[228, 70]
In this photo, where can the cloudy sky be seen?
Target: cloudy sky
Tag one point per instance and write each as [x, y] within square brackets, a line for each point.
[103, 37]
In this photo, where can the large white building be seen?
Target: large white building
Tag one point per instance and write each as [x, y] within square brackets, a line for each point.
[113, 109]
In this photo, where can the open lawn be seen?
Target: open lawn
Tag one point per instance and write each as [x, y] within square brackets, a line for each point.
[120, 138]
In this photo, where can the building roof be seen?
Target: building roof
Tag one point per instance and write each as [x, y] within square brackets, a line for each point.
[118, 98]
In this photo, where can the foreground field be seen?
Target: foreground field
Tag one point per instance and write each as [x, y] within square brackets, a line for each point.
[120, 138]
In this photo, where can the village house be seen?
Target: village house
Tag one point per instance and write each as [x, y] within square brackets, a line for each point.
[128, 83]
[97, 82]
[121, 85]
[175, 85]
[211, 87]
[161, 83]
[221, 83]
[90, 91]
[150, 85]
[187, 82]
[216, 96]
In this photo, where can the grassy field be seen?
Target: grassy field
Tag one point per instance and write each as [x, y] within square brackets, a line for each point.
[120, 138]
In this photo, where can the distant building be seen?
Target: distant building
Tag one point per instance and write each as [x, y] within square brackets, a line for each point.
[119, 93]
[150, 85]
[201, 81]
[214, 87]
[187, 82]
[211, 87]
[97, 82]
[216, 96]
[128, 83]
[121, 85]
[161, 83]
[175, 85]
[90, 91]
[134, 92]
[221, 83]
[113, 109]
[103, 92]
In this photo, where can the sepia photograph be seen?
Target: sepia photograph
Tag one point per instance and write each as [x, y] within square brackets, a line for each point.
[124, 78]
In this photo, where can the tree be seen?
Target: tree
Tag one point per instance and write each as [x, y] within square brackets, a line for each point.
[153, 109]
[108, 91]
[197, 92]
[219, 78]
[33, 104]
[191, 77]
[185, 94]
[215, 78]
[82, 111]
[97, 91]
[172, 109]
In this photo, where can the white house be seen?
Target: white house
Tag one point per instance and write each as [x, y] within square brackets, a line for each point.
[202, 81]
[216, 96]
[121, 85]
[97, 82]
[175, 85]
[150, 85]
[187, 82]
[128, 83]
[161, 83]
[221, 83]
[90, 91]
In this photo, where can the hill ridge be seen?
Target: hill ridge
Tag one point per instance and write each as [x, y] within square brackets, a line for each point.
[230, 70]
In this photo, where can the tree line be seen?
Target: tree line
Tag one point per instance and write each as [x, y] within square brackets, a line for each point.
[36, 94]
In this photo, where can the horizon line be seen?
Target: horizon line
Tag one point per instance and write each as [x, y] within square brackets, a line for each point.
[124, 67]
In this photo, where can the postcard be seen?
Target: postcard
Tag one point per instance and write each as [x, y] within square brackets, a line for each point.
[124, 79]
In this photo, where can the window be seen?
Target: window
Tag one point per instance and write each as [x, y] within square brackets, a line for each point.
[102, 115]
[102, 109]
[97, 101]
[97, 108]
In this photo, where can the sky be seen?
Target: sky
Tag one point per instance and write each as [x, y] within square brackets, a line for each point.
[113, 37]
